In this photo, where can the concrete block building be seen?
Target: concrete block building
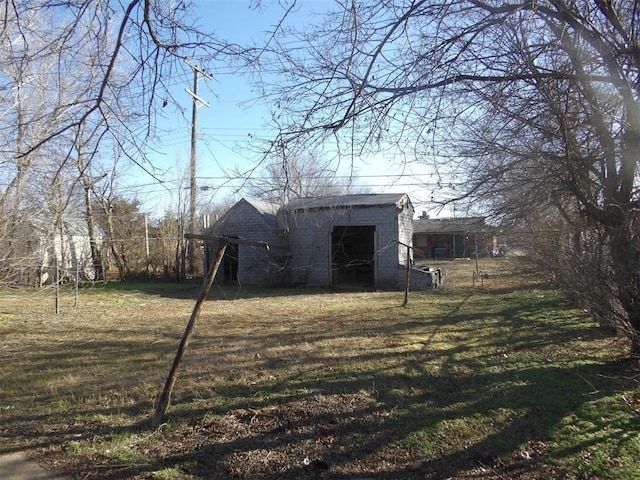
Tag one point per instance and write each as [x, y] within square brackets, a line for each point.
[345, 241]
[349, 240]
[251, 265]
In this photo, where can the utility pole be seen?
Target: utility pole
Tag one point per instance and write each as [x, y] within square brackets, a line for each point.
[197, 102]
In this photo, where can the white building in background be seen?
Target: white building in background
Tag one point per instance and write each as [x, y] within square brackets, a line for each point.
[46, 252]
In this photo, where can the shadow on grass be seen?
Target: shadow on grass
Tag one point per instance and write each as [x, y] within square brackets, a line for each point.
[389, 437]
[456, 394]
[190, 289]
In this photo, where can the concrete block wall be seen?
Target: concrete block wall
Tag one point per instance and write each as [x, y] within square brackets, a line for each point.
[256, 266]
[310, 242]
[300, 241]
[405, 233]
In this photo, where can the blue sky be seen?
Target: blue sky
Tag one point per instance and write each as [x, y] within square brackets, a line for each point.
[234, 115]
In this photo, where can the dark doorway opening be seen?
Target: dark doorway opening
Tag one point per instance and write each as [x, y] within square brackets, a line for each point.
[352, 256]
[230, 263]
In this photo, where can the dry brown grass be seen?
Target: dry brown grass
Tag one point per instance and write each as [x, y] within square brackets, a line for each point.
[352, 384]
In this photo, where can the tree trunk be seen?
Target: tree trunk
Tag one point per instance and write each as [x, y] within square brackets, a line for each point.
[96, 254]
[626, 270]
[118, 256]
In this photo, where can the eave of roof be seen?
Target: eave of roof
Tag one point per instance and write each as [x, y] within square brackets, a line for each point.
[262, 206]
[449, 225]
[350, 201]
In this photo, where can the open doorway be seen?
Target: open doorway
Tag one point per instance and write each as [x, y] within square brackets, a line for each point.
[230, 263]
[353, 257]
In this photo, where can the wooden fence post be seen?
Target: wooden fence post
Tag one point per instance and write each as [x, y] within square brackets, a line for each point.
[407, 277]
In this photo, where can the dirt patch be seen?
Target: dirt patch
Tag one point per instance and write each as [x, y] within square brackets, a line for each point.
[324, 436]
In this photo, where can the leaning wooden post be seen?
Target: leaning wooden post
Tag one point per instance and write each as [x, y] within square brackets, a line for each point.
[165, 397]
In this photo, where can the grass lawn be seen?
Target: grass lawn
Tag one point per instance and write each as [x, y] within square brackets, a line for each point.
[501, 380]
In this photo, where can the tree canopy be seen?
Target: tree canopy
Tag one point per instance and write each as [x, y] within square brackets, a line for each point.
[82, 85]
[528, 109]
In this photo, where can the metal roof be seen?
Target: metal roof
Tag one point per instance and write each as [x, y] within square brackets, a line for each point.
[353, 201]
[449, 225]
[262, 206]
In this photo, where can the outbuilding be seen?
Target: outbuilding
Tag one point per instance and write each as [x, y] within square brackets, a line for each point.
[252, 220]
[349, 240]
[344, 241]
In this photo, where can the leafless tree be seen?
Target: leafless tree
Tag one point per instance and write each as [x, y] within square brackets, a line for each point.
[85, 152]
[285, 178]
[24, 200]
[100, 66]
[537, 100]
[167, 233]
[111, 48]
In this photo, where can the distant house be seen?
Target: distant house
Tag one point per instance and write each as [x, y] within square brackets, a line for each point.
[71, 250]
[46, 248]
[452, 237]
[344, 241]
